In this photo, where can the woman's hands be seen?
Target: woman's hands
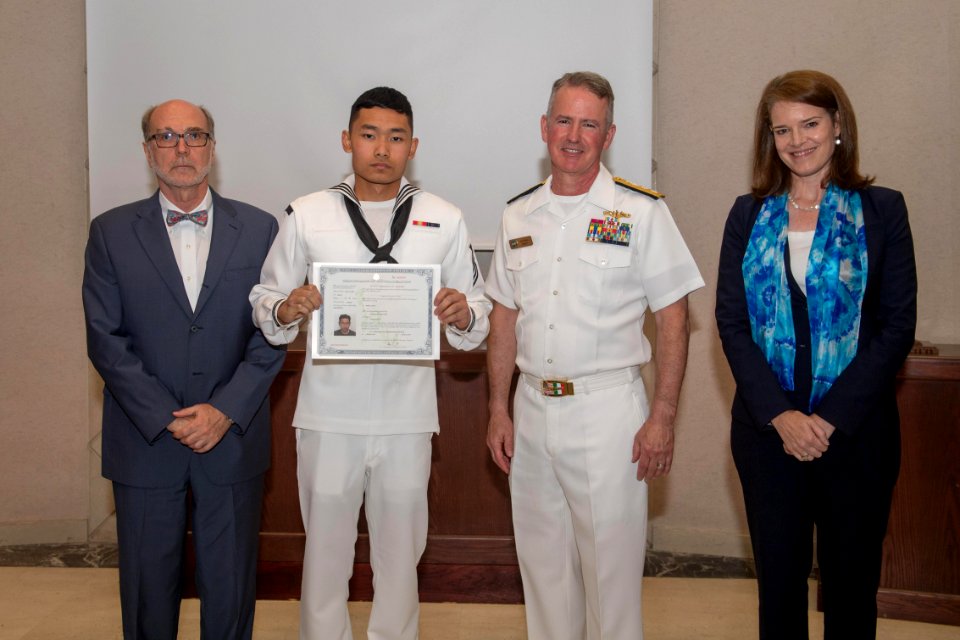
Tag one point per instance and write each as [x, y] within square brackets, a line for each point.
[804, 437]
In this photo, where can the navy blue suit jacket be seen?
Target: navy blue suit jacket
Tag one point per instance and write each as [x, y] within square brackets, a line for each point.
[156, 355]
[865, 390]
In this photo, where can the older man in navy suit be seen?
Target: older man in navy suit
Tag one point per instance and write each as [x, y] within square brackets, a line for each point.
[186, 375]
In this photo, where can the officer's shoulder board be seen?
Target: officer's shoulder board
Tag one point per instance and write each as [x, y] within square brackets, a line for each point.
[527, 192]
[635, 187]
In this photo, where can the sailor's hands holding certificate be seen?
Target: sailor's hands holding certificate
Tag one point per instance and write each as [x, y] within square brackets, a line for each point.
[301, 302]
[451, 308]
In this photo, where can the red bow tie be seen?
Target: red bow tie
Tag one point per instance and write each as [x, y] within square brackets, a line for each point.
[198, 217]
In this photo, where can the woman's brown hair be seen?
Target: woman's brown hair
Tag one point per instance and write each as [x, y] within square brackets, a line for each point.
[770, 175]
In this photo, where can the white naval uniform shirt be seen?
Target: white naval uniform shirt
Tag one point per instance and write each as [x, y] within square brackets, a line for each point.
[581, 304]
[368, 397]
[191, 244]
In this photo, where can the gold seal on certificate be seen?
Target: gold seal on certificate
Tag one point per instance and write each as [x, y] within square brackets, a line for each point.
[376, 311]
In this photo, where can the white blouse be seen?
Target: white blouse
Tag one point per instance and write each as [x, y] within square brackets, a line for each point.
[800, 243]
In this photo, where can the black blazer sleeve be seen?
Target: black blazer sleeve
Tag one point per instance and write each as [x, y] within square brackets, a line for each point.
[757, 385]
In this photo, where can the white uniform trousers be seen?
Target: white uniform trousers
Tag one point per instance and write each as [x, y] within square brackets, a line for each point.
[388, 474]
[579, 513]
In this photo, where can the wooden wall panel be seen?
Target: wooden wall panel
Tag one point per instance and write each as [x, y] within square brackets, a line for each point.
[920, 578]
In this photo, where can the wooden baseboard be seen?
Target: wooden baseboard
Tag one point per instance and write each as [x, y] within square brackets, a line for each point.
[484, 583]
[453, 568]
[918, 606]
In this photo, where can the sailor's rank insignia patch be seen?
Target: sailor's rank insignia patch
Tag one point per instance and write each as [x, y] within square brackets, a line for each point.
[523, 241]
[609, 229]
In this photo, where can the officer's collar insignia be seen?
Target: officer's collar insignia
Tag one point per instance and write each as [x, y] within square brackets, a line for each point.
[637, 188]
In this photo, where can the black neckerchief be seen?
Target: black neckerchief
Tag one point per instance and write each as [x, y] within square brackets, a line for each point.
[401, 214]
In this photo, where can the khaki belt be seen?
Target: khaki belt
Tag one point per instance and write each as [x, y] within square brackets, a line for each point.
[559, 387]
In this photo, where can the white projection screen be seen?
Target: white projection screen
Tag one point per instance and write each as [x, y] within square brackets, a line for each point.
[279, 78]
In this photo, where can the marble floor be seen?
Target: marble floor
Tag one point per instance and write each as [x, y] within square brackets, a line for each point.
[49, 603]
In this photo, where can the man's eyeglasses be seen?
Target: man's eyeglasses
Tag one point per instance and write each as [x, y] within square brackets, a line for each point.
[167, 139]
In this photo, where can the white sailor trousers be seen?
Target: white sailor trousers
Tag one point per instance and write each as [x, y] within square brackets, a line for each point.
[388, 474]
[579, 512]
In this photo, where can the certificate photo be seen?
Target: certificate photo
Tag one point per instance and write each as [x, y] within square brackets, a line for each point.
[375, 311]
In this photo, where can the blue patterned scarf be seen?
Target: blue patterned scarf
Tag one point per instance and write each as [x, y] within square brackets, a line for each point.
[836, 280]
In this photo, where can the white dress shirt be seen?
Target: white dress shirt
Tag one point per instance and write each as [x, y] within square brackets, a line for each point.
[582, 302]
[191, 244]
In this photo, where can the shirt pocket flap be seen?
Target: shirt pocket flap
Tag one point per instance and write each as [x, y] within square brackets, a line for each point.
[520, 259]
[605, 256]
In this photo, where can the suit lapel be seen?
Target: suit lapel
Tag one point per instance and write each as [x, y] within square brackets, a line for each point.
[226, 232]
[153, 238]
[873, 229]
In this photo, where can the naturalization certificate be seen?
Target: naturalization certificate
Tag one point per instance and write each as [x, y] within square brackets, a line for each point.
[376, 311]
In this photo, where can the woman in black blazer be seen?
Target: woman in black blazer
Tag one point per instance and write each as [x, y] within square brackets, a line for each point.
[816, 308]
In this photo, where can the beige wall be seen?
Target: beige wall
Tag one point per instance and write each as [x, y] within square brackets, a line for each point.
[43, 219]
[898, 61]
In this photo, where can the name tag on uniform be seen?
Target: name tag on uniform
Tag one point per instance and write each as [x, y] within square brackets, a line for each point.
[523, 241]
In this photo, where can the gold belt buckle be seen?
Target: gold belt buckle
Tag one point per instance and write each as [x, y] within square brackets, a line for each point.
[556, 388]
